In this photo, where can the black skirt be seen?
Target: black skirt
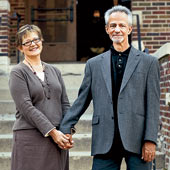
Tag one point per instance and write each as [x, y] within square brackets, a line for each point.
[33, 151]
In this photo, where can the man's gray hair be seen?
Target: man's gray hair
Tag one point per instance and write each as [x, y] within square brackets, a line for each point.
[118, 8]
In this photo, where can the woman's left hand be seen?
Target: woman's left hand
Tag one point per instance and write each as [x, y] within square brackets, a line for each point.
[61, 139]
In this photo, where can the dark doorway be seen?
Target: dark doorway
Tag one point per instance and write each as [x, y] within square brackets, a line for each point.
[91, 35]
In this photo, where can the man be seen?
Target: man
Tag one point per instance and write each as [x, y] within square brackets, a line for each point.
[124, 86]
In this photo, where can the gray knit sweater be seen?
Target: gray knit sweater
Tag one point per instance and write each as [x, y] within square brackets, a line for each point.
[39, 105]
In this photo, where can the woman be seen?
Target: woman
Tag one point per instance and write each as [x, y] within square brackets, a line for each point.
[41, 101]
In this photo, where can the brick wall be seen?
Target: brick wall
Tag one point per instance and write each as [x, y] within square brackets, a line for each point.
[17, 7]
[155, 22]
[4, 29]
[164, 107]
[154, 18]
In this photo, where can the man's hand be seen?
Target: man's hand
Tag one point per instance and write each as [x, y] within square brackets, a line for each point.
[148, 151]
[60, 138]
[69, 144]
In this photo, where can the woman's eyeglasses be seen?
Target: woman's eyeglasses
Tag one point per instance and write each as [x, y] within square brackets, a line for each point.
[28, 43]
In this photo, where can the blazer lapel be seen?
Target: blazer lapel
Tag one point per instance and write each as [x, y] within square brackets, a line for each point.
[106, 71]
[133, 60]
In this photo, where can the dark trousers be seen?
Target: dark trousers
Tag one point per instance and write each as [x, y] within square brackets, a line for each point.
[112, 160]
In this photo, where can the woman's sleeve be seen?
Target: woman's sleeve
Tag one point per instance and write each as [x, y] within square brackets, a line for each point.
[64, 98]
[21, 96]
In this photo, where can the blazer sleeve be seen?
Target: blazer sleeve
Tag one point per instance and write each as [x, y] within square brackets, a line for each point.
[152, 102]
[80, 105]
[21, 96]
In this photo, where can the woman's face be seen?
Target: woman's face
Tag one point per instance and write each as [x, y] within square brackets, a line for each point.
[31, 45]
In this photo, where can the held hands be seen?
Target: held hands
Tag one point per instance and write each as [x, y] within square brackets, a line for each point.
[63, 141]
[148, 151]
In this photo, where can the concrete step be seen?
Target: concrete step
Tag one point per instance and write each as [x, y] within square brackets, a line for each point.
[82, 145]
[8, 106]
[5, 160]
[82, 142]
[77, 161]
[72, 81]
[5, 94]
[7, 121]
[160, 161]
[72, 75]
[4, 81]
[6, 143]
[74, 68]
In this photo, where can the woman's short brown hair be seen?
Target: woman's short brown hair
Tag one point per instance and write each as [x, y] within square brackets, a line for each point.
[24, 31]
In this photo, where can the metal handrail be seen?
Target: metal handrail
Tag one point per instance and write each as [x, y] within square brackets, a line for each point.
[19, 19]
[138, 31]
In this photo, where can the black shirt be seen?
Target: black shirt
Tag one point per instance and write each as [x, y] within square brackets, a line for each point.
[119, 60]
[118, 64]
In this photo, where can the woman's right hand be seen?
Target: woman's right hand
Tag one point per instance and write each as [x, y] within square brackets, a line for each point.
[60, 139]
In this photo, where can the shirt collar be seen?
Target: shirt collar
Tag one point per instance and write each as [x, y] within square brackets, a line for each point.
[124, 53]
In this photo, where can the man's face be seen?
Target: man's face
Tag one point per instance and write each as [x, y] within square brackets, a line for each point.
[118, 28]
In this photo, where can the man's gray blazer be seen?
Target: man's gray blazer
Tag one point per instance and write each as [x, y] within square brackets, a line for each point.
[138, 102]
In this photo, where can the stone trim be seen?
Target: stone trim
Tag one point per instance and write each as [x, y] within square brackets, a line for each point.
[163, 51]
[5, 5]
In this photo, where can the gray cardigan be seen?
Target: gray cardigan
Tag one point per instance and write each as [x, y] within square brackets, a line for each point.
[34, 109]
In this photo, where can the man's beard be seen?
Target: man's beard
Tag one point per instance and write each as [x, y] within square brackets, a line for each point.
[115, 40]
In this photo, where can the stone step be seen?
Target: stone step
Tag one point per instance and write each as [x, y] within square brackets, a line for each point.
[65, 68]
[5, 160]
[77, 161]
[8, 106]
[3, 81]
[7, 121]
[82, 142]
[74, 68]
[71, 80]
[5, 94]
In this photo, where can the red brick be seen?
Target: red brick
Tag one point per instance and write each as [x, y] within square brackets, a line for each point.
[159, 38]
[138, 8]
[147, 21]
[158, 12]
[152, 42]
[164, 8]
[151, 16]
[158, 21]
[151, 8]
[162, 96]
[4, 50]
[165, 34]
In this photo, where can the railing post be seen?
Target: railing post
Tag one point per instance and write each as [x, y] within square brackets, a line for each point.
[139, 36]
[138, 31]
[32, 14]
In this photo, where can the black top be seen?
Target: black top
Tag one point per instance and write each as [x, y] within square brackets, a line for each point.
[118, 60]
